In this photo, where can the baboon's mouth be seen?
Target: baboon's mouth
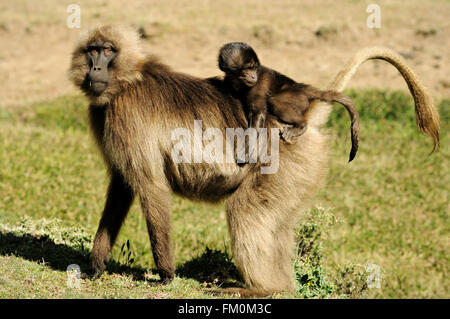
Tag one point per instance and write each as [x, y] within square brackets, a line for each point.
[248, 83]
[97, 87]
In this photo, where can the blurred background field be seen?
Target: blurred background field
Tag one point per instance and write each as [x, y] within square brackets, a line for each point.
[389, 207]
[308, 40]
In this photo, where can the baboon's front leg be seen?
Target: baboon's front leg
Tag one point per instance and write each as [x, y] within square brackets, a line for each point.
[156, 208]
[118, 202]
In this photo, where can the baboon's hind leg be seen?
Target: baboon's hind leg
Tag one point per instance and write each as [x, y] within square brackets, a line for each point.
[262, 241]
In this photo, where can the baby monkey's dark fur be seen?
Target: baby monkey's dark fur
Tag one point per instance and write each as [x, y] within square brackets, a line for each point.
[266, 90]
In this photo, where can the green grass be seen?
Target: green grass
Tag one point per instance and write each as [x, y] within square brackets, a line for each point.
[388, 207]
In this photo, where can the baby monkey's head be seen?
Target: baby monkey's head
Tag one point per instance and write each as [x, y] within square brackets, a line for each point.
[240, 63]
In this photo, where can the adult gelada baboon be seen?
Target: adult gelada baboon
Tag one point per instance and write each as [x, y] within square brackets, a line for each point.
[136, 102]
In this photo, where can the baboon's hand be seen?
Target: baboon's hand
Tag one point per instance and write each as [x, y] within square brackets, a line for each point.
[84, 275]
[166, 281]
[285, 135]
[96, 273]
[288, 133]
[166, 276]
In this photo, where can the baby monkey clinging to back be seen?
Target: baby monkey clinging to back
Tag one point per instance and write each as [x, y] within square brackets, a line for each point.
[266, 90]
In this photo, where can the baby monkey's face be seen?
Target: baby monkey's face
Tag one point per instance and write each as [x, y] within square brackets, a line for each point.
[249, 76]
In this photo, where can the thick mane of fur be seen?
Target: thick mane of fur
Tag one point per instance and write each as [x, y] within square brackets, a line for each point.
[125, 69]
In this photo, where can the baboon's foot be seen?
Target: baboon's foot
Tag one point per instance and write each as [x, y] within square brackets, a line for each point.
[166, 277]
[93, 275]
[166, 281]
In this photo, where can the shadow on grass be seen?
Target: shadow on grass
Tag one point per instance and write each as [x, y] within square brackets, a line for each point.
[57, 256]
[211, 267]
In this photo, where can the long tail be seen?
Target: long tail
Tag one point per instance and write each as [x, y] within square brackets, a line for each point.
[334, 96]
[427, 117]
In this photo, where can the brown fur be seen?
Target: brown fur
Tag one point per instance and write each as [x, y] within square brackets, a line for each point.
[132, 122]
[266, 90]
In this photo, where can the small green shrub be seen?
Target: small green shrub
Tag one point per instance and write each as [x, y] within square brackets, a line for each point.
[312, 279]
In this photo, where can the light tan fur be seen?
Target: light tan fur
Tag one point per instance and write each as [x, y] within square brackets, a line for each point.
[146, 102]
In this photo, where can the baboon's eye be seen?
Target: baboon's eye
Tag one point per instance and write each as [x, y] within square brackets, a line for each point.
[93, 51]
[107, 50]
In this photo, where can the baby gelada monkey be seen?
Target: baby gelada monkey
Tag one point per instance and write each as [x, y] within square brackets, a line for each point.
[266, 90]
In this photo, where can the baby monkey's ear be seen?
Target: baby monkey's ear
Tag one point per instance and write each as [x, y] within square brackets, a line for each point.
[221, 63]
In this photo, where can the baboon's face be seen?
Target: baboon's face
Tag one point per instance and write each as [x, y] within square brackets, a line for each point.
[106, 60]
[99, 54]
[248, 75]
